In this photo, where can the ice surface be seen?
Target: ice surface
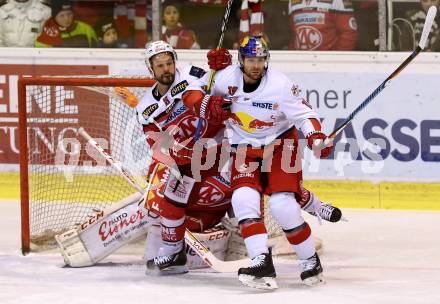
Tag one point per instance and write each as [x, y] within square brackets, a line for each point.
[377, 257]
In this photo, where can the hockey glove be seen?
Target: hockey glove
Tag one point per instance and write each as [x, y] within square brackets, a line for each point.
[316, 143]
[127, 96]
[219, 59]
[215, 109]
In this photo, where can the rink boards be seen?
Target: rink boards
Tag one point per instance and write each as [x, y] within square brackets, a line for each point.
[346, 194]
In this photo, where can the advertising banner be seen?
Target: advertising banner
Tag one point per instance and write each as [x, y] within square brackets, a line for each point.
[396, 137]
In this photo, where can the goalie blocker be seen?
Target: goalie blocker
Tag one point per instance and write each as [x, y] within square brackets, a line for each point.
[116, 226]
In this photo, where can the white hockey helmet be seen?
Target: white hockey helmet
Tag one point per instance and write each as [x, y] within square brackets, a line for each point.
[158, 47]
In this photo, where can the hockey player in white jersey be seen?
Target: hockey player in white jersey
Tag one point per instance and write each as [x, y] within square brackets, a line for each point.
[266, 112]
[183, 206]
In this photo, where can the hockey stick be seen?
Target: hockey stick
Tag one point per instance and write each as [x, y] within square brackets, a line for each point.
[115, 164]
[201, 250]
[212, 72]
[423, 39]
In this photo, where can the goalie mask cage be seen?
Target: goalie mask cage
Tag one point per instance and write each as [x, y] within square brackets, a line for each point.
[62, 180]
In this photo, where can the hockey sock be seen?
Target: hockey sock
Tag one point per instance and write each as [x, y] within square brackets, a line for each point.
[255, 236]
[172, 224]
[173, 232]
[301, 240]
[306, 198]
[309, 201]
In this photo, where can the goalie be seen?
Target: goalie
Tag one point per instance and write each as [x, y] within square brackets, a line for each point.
[178, 203]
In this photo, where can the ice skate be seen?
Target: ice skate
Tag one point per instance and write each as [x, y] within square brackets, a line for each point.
[261, 274]
[312, 271]
[168, 264]
[327, 212]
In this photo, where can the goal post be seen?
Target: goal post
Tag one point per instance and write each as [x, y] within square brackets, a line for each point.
[56, 195]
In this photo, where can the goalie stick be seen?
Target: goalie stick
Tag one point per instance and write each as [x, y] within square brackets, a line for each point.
[201, 250]
[212, 72]
[422, 43]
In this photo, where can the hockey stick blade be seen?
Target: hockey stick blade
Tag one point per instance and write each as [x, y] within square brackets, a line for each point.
[427, 26]
[206, 255]
[201, 250]
[426, 29]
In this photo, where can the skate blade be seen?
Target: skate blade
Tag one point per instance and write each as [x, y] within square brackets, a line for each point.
[266, 283]
[314, 281]
[156, 271]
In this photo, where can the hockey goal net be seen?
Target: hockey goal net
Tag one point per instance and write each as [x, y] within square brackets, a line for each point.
[63, 180]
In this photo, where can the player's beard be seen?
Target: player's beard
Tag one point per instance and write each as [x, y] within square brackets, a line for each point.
[166, 79]
[254, 74]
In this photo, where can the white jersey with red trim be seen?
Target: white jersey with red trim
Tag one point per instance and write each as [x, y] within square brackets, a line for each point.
[259, 117]
[212, 195]
[154, 106]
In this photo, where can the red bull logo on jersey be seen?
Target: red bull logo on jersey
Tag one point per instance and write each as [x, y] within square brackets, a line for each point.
[249, 123]
[260, 124]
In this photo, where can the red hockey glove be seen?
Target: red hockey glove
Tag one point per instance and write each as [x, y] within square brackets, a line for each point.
[315, 142]
[219, 59]
[218, 109]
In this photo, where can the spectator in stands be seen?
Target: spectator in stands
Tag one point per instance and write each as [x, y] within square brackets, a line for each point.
[173, 31]
[21, 21]
[322, 25]
[367, 14]
[251, 20]
[417, 20]
[62, 30]
[108, 36]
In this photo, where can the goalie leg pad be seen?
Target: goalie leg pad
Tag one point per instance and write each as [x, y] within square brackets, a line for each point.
[73, 250]
[105, 232]
[216, 239]
[153, 242]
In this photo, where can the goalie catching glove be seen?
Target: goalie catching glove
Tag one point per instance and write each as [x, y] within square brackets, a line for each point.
[219, 59]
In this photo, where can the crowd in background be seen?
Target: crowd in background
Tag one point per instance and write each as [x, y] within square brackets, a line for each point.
[191, 24]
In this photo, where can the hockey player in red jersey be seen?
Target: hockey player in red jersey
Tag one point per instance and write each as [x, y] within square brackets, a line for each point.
[322, 25]
[262, 94]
